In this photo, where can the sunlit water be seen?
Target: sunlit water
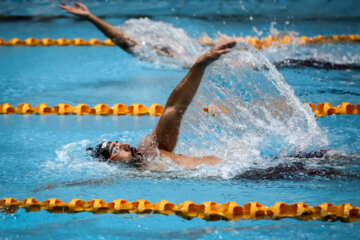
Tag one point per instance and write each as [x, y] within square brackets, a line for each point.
[264, 116]
[44, 156]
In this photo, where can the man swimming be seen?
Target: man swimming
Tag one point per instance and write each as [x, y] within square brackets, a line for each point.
[162, 141]
[119, 37]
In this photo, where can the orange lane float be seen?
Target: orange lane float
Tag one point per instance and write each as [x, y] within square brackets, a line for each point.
[97, 206]
[232, 211]
[43, 109]
[210, 211]
[165, 207]
[120, 206]
[320, 110]
[31, 204]
[119, 109]
[142, 206]
[63, 109]
[77, 205]
[155, 110]
[259, 43]
[81, 109]
[54, 205]
[48, 42]
[101, 109]
[137, 109]
[32, 42]
[25, 108]
[63, 42]
[6, 108]
[326, 109]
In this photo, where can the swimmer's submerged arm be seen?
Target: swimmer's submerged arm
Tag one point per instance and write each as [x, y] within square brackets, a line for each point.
[120, 38]
[167, 129]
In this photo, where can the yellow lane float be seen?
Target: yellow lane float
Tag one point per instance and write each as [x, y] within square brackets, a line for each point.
[210, 211]
[63, 109]
[43, 109]
[254, 41]
[320, 110]
[155, 110]
[6, 108]
[101, 109]
[81, 109]
[25, 108]
[326, 109]
[119, 109]
[137, 109]
[165, 207]
[120, 206]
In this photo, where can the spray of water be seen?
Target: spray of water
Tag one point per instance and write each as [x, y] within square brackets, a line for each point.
[154, 36]
[345, 54]
[257, 115]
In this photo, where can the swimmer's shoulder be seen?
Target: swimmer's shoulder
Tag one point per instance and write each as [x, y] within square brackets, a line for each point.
[149, 147]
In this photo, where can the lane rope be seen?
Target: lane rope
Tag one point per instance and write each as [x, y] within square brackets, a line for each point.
[210, 211]
[320, 110]
[259, 43]
[326, 109]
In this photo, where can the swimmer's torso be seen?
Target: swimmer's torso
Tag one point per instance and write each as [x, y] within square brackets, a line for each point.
[150, 150]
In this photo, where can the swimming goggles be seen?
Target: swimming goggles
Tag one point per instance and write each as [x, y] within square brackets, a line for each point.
[115, 151]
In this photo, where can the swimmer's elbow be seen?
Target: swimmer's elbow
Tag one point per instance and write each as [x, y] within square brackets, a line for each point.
[126, 44]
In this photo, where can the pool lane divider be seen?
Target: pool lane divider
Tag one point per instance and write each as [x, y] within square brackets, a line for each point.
[320, 110]
[259, 43]
[83, 109]
[210, 211]
[326, 109]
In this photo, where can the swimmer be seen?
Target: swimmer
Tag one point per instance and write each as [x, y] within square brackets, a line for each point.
[162, 141]
[120, 38]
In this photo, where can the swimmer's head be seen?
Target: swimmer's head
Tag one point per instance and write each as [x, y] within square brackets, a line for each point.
[116, 152]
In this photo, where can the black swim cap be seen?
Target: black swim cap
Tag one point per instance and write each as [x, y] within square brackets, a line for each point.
[101, 151]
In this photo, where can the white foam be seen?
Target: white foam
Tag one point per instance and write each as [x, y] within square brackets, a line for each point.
[265, 117]
[153, 35]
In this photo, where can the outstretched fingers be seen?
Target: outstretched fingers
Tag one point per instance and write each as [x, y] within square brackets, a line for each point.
[80, 5]
[220, 52]
[225, 45]
[79, 9]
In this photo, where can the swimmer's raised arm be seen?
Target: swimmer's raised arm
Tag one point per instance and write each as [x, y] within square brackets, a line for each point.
[167, 129]
[119, 37]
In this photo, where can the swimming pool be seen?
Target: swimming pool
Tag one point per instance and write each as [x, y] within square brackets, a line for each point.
[44, 156]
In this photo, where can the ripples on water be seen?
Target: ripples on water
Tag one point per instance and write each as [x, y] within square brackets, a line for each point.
[265, 120]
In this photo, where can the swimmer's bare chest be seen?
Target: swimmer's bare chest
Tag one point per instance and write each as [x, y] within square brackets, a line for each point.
[148, 146]
[190, 162]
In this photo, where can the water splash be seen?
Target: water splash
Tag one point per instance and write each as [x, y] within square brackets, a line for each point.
[345, 54]
[264, 119]
[70, 164]
[153, 36]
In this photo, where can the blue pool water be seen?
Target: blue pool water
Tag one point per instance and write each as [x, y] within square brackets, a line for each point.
[44, 156]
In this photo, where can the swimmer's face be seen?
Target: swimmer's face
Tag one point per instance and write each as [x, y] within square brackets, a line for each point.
[122, 152]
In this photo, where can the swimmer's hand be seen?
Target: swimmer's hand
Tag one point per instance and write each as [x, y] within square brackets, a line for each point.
[79, 10]
[216, 52]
